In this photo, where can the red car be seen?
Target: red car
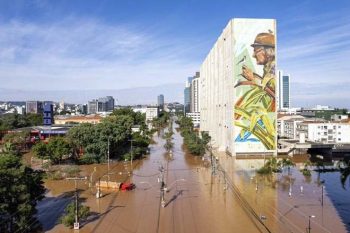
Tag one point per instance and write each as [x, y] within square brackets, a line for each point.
[127, 186]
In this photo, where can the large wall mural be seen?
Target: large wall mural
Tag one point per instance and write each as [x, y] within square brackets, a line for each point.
[255, 85]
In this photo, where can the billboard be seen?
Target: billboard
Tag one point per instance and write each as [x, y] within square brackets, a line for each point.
[255, 85]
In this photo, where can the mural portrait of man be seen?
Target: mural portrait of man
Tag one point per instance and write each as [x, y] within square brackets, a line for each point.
[255, 107]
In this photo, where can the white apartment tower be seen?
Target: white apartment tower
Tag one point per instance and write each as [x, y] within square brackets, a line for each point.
[195, 90]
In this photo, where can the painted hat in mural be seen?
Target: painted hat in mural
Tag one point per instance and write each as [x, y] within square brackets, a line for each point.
[264, 39]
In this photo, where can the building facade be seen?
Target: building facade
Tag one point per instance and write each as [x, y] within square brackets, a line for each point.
[238, 88]
[283, 95]
[63, 120]
[196, 118]
[34, 107]
[92, 107]
[195, 92]
[187, 95]
[160, 101]
[48, 114]
[324, 132]
[151, 113]
[105, 104]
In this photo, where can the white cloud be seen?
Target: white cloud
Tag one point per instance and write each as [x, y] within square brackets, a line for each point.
[85, 53]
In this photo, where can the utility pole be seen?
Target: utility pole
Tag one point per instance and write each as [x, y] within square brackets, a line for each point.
[131, 152]
[76, 223]
[108, 162]
[162, 185]
[322, 195]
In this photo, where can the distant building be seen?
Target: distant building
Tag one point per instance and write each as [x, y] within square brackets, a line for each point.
[187, 95]
[151, 113]
[34, 107]
[63, 120]
[195, 102]
[283, 94]
[286, 125]
[196, 118]
[92, 107]
[48, 114]
[105, 104]
[339, 117]
[324, 132]
[161, 101]
[20, 110]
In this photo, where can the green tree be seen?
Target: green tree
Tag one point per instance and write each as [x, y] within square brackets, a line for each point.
[17, 139]
[93, 139]
[58, 147]
[41, 150]
[69, 217]
[20, 190]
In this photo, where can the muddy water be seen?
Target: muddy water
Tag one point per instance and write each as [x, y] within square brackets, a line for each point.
[285, 206]
[195, 202]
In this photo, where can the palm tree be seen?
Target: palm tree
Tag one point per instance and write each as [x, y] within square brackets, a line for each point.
[288, 163]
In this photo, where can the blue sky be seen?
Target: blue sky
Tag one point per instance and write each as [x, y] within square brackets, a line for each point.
[68, 45]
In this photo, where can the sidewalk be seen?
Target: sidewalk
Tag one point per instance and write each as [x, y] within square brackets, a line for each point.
[271, 202]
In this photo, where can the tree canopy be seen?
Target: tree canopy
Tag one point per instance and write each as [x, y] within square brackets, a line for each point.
[20, 189]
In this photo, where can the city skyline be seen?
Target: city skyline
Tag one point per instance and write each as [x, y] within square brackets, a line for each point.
[96, 46]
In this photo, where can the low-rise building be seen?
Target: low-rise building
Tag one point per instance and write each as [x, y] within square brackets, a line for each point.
[324, 132]
[151, 113]
[196, 118]
[286, 125]
[339, 117]
[92, 119]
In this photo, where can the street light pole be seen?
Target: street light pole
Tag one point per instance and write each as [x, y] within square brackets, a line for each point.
[131, 152]
[310, 216]
[322, 195]
[162, 185]
[108, 162]
[76, 223]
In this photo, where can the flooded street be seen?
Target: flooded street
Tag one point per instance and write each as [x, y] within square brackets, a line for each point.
[195, 201]
[234, 199]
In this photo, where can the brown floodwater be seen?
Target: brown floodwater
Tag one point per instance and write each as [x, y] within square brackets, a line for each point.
[196, 201]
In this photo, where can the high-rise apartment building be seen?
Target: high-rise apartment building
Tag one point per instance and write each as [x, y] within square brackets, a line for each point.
[105, 104]
[187, 95]
[92, 107]
[34, 107]
[161, 101]
[195, 90]
[283, 91]
[238, 88]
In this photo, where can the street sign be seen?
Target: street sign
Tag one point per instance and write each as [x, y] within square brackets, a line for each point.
[76, 226]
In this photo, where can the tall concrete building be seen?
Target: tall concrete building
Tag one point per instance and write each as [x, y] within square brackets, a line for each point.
[283, 100]
[195, 90]
[105, 104]
[187, 95]
[160, 101]
[237, 88]
[34, 107]
[92, 107]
